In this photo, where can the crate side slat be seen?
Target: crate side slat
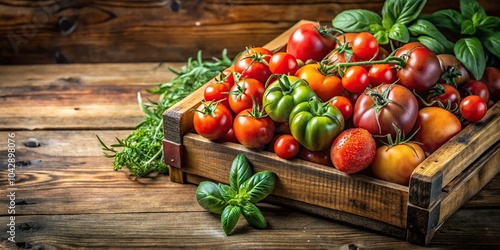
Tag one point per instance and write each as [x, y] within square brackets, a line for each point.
[453, 158]
[302, 181]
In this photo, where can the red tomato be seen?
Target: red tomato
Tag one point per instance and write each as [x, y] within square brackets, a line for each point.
[344, 105]
[356, 79]
[319, 157]
[212, 120]
[217, 91]
[396, 163]
[475, 87]
[253, 129]
[283, 63]
[325, 86]
[286, 146]
[310, 41]
[365, 46]
[473, 108]
[382, 73]
[230, 137]
[443, 93]
[491, 77]
[243, 94]
[353, 150]
[452, 70]
[253, 63]
[379, 109]
[435, 127]
[346, 38]
[422, 69]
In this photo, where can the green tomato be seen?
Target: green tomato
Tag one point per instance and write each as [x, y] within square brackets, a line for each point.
[315, 125]
[283, 94]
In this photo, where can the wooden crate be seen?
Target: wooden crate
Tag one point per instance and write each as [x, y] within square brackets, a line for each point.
[438, 186]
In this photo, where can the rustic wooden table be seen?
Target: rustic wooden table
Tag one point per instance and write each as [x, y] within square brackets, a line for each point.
[66, 195]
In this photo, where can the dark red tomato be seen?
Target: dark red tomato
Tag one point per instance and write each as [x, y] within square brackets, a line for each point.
[435, 127]
[491, 77]
[379, 109]
[344, 105]
[319, 157]
[310, 41]
[254, 63]
[356, 79]
[365, 46]
[473, 108]
[382, 54]
[253, 131]
[212, 120]
[422, 69]
[443, 93]
[382, 73]
[243, 94]
[230, 137]
[217, 91]
[452, 70]
[286, 146]
[475, 87]
[283, 63]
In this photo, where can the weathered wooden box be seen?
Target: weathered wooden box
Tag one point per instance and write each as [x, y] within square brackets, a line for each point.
[438, 187]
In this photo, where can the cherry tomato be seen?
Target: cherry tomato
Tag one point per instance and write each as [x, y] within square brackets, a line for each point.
[346, 38]
[325, 86]
[319, 157]
[356, 79]
[475, 87]
[365, 46]
[253, 129]
[382, 73]
[491, 77]
[244, 93]
[443, 93]
[286, 146]
[353, 150]
[344, 105]
[212, 120]
[396, 163]
[473, 108]
[283, 63]
[253, 63]
[435, 127]
[217, 91]
[310, 41]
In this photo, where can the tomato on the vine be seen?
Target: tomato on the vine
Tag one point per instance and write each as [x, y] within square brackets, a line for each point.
[435, 127]
[325, 86]
[217, 91]
[254, 63]
[344, 105]
[473, 108]
[356, 79]
[443, 94]
[253, 128]
[382, 73]
[286, 146]
[365, 46]
[475, 87]
[283, 63]
[310, 41]
[244, 93]
[212, 120]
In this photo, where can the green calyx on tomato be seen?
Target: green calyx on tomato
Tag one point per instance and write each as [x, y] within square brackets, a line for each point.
[315, 125]
[283, 94]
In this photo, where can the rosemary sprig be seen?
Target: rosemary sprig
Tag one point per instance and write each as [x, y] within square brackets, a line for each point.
[142, 151]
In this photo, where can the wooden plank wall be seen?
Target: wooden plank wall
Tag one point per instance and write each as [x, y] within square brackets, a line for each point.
[95, 31]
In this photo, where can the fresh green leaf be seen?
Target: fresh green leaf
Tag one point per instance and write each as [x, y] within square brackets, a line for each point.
[399, 32]
[229, 218]
[226, 191]
[471, 7]
[425, 28]
[374, 28]
[356, 20]
[468, 28]
[260, 185]
[433, 44]
[492, 43]
[382, 37]
[240, 171]
[401, 11]
[253, 215]
[470, 52]
[209, 197]
[447, 19]
[387, 22]
[489, 24]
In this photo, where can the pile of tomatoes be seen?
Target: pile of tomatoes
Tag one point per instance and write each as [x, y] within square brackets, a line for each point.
[344, 101]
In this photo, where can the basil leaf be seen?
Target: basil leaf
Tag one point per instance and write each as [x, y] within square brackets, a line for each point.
[470, 52]
[425, 28]
[471, 7]
[448, 19]
[210, 198]
[492, 43]
[489, 24]
[259, 186]
[399, 32]
[229, 218]
[382, 37]
[240, 171]
[374, 28]
[433, 44]
[253, 215]
[356, 20]
[468, 28]
[227, 192]
[387, 22]
[402, 12]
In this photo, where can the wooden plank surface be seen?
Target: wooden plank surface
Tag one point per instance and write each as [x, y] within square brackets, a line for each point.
[69, 197]
[57, 31]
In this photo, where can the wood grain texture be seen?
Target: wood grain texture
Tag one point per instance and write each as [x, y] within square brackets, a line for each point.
[63, 31]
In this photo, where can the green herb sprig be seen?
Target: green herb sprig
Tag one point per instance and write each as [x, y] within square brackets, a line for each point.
[142, 151]
[244, 189]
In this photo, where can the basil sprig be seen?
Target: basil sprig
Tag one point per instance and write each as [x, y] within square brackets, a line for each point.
[244, 189]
